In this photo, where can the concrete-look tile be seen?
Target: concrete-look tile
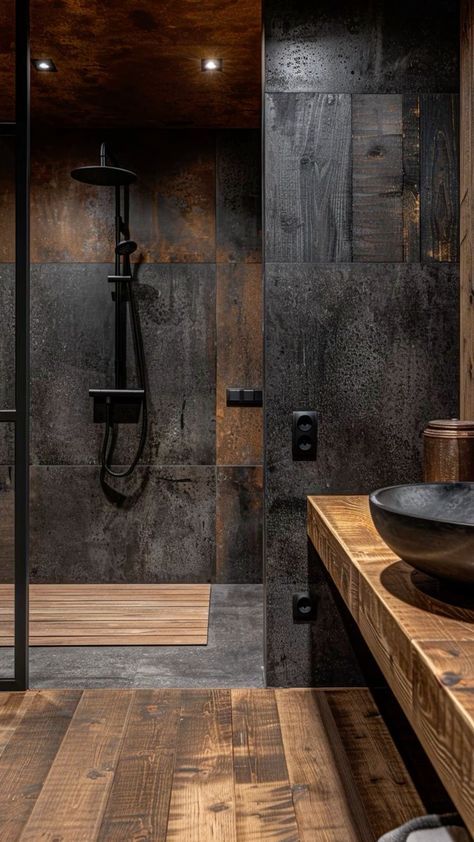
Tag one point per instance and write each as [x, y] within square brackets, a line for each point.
[239, 436]
[315, 654]
[72, 341]
[7, 359]
[362, 47]
[374, 349]
[239, 524]
[161, 530]
[72, 351]
[232, 658]
[238, 212]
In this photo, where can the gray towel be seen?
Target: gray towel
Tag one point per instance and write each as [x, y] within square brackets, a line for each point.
[429, 829]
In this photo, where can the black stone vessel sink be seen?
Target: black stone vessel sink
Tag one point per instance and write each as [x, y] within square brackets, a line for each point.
[430, 525]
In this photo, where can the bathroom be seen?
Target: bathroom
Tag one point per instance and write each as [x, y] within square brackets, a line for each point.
[235, 290]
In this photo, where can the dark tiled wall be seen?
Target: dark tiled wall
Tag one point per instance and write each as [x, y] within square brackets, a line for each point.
[361, 279]
[193, 510]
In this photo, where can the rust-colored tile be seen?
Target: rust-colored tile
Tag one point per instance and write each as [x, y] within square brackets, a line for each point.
[239, 227]
[7, 199]
[239, 362]
[172, 205]
[173, 215]
[239, 515]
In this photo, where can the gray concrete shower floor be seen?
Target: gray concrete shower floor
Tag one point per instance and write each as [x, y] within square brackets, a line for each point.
[232, 658]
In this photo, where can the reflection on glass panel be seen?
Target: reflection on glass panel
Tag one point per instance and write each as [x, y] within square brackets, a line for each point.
[7, 566]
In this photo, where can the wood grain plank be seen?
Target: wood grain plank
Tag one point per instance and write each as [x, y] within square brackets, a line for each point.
[466, 213]
[308, 177]
[103, 615]
[411, 178]
[264, 801]
[443, 714]
[400, 612]
[202, 799]
[13, 707]
[25, 763]
[138, 804]
[383, 783]
[319, 794]
[439, 128]
[259, 756]
[377, 177]
[71, 804]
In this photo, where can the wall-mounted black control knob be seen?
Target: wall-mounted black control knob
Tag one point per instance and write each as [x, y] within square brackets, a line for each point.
[305, 435]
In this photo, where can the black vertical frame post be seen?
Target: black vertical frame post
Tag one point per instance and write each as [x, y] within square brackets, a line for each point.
[22, 341]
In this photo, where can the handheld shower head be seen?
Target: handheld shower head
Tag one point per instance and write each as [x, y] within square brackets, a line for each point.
[126, 247]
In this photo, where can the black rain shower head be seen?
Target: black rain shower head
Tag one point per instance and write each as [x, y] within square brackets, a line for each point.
[126, 247]
[104, 176]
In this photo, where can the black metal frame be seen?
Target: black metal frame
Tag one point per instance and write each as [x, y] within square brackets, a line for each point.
[20, 130]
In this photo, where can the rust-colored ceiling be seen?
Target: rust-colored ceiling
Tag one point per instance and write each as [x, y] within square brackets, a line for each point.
[137, 62]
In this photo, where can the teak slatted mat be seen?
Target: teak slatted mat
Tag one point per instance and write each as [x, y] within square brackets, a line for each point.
[111, 615]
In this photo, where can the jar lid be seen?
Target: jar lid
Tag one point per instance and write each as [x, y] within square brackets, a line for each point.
[450, 424]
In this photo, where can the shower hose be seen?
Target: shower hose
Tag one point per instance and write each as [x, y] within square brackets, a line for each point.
[108, 443]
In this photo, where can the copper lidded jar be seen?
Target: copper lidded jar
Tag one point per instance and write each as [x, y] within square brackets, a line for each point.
[448, 451]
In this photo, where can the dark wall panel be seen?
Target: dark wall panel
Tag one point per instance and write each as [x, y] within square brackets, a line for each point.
[308, 177]
[439, 177]
[143, 530]
[377, 178]
[239, 430]
[365, 333]
[360, 47]
[238, 211]
[163, 532]
[239, 524]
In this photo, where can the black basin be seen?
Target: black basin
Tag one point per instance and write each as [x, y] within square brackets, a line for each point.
[430, 525]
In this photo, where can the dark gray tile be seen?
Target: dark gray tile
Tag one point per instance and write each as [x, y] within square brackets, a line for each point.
[238, 211]
[315, 654]
[7, 358]
[72, 351]
[347, 46]
[177, 307]
[307, 177]
[72, 336]
[232, 658]
[374, 349]
[163, 530]
[239, 524]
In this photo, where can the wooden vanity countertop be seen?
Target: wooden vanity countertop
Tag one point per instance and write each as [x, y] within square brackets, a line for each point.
[422, 640]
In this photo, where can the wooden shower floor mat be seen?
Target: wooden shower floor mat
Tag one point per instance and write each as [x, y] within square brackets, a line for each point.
[111, 615]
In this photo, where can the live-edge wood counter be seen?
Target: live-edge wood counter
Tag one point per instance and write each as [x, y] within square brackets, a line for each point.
[422, 640]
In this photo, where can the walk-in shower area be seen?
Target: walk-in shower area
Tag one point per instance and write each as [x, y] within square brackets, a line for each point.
[146, 496]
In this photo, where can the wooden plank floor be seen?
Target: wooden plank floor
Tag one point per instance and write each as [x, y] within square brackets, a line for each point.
[199, 765]
[111, 615]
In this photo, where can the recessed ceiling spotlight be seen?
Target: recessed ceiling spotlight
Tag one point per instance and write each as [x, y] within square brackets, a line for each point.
[208, 64]
[44, 65]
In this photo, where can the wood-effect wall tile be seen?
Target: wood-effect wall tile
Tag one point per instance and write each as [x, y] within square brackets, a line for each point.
[239, 524]
[439, 177]
[239, 362]
[411, 178]
[238, 204]
[308, 177]
[377, 178]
